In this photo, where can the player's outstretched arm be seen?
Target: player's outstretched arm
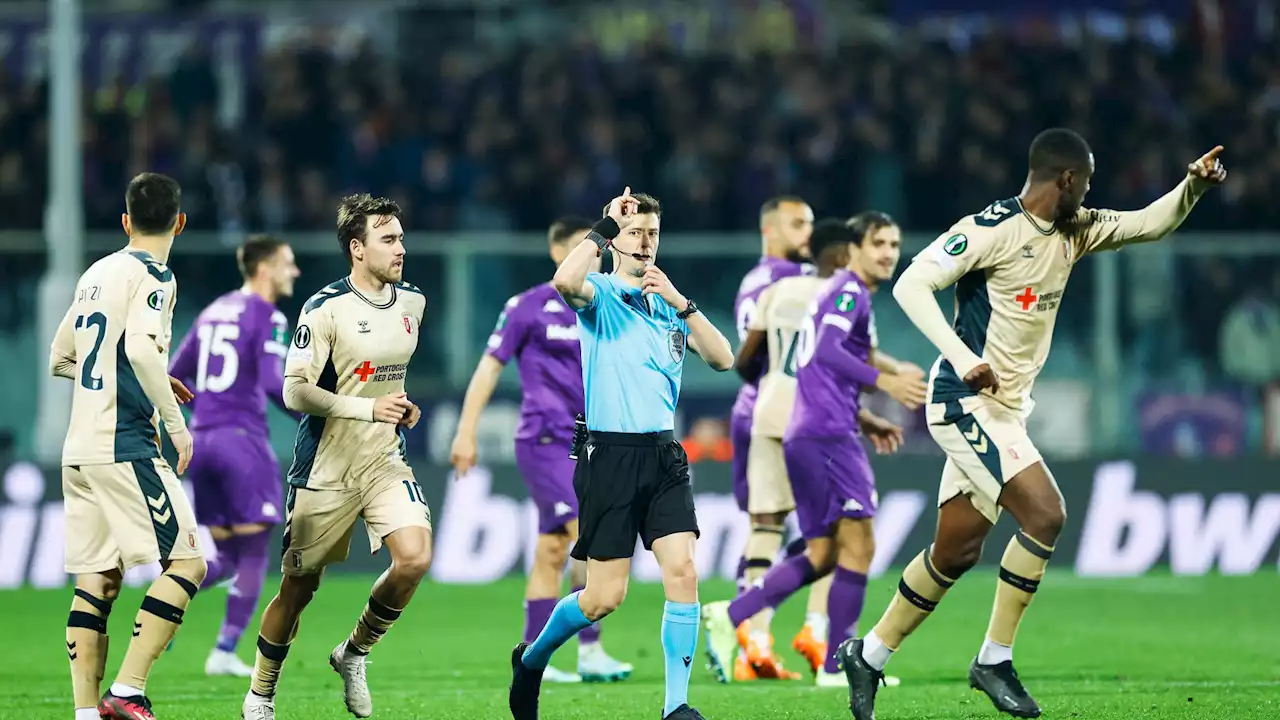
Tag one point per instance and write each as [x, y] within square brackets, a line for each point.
[570, 279]
[62, 353]
[1111, 229]
[750, 362]
[462, 455]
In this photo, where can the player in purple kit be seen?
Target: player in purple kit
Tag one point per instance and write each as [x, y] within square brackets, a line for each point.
[541, 333]
[234, 359]
[831, 478]
[786, 223]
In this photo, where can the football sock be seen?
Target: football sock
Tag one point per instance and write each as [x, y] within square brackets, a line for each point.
[122, 690]
[87, 646]
[267, 665]
[875, 652]
[993, 653]
[816, 606]
[566, 621]
[919, 591]
[679, 643]
[224, 564]
[154, 626]
[844, 606]
[1021, 570]
[374, 622]
[250, 571]
[762, 547]
[536, 613]
[782, 581]
[591, 633]
[817, 622]
[88, 713]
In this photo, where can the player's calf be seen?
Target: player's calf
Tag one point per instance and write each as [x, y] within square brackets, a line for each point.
[87, 638]
[156, 623]
[279, 627]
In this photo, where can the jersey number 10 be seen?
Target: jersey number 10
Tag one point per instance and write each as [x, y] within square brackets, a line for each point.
[217, 340]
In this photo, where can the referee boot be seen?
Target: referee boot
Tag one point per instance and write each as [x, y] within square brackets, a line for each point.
[684, 712]
[1000, 682]
[526, 684]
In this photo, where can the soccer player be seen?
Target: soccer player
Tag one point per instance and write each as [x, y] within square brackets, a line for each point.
[234, 356]
[786, 223]
[541, 332]
[124, 505]
[632, 476]
[1010, 265]
[825, 338]
[345, 371]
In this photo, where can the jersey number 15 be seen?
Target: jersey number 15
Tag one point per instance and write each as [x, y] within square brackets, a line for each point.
[217, 340]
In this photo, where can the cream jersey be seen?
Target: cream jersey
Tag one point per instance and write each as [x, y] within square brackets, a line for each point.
[355, 347]
[781, 311]
[1010, 271]
[114, 344]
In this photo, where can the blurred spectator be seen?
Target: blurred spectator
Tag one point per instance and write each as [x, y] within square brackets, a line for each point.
[1250, 337]
[708, 440]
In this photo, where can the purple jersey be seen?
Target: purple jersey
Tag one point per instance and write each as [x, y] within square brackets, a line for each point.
[833, 351]
[768, 271]
[233, 359]
[540, 331]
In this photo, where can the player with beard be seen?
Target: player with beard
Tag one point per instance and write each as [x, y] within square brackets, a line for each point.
[786, 223]
[345, 372]
[234, 358]
[832, 356]
[1010, 265]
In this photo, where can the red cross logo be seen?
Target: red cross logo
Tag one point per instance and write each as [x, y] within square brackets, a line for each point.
[1027, 299]
[364, 371]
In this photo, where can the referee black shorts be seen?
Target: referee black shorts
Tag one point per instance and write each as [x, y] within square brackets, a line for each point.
[630, 484]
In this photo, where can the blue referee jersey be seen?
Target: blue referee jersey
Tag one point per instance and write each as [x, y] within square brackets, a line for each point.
[633, 350]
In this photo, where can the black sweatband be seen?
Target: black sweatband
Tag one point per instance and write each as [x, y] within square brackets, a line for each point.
[102, 605]
[88, 621]
[603, 232]
[187, 586]
[162, 610]
[272, 651]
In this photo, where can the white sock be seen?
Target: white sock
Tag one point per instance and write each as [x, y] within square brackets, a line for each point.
[875, 652]
[87, 714]
[124, 691]
[761, 639]
[587, 648]
[993, 653]
[817, 622]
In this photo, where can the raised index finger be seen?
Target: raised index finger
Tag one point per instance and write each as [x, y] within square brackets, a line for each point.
[1214, 153]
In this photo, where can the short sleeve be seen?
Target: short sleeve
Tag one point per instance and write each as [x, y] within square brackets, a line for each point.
[962, 249]
[311, 345]
[601, 285]
[509, 333]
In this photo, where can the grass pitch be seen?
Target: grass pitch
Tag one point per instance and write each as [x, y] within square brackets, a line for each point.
[1152, 647]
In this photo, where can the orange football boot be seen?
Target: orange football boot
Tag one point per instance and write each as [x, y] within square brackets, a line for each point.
[742, 670]
[811, 648]
[761, 658]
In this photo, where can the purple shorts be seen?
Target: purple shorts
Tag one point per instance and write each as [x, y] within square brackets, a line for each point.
[548, 473]
[740, 436]
[235, 478]
[831, 479]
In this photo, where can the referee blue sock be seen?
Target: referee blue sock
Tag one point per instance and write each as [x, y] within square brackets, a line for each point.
[566, 620]
[679, 643]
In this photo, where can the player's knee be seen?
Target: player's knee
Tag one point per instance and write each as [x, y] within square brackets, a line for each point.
[958, 558]
[413, 566]
[553, 551]
[296, 591]
[1047, 523]
[681, 574]
[193, 569]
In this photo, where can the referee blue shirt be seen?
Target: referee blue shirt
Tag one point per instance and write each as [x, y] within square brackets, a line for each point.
[633, 349]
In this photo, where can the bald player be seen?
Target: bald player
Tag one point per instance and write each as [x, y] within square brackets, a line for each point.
[124, 505]
[1010, 265]
[345, 372]
[786, 223]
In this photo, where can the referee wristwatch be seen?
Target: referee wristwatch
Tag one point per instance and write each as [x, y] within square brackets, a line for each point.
[689, 309]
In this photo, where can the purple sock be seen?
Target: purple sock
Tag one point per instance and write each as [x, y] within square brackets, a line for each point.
[242, 601]
[844, 606]
[223, 566]
[591, 633]
[742, 574]
[781, 582]
[536, 614]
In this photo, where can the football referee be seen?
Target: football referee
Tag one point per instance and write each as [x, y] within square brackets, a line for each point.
[632, 476]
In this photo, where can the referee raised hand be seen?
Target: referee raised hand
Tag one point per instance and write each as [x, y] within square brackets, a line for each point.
[632, 477]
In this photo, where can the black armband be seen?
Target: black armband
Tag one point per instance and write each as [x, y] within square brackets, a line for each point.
[603, 232]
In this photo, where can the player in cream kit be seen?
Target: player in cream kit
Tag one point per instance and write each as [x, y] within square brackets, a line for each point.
[345, 372]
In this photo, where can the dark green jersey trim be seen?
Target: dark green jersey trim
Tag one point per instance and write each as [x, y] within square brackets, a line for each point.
[154, 267]
[135, 435]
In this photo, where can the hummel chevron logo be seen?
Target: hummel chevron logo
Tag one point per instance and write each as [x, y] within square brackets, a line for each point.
[158, 503]
[976, 439]
[137, 629]
[71, 650]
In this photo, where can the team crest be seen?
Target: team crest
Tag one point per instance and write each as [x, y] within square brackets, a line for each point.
[675, 343]
[408, 323]
[956, 244]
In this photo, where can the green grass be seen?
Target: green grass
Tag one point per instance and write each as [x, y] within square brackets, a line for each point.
[1154, 647]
